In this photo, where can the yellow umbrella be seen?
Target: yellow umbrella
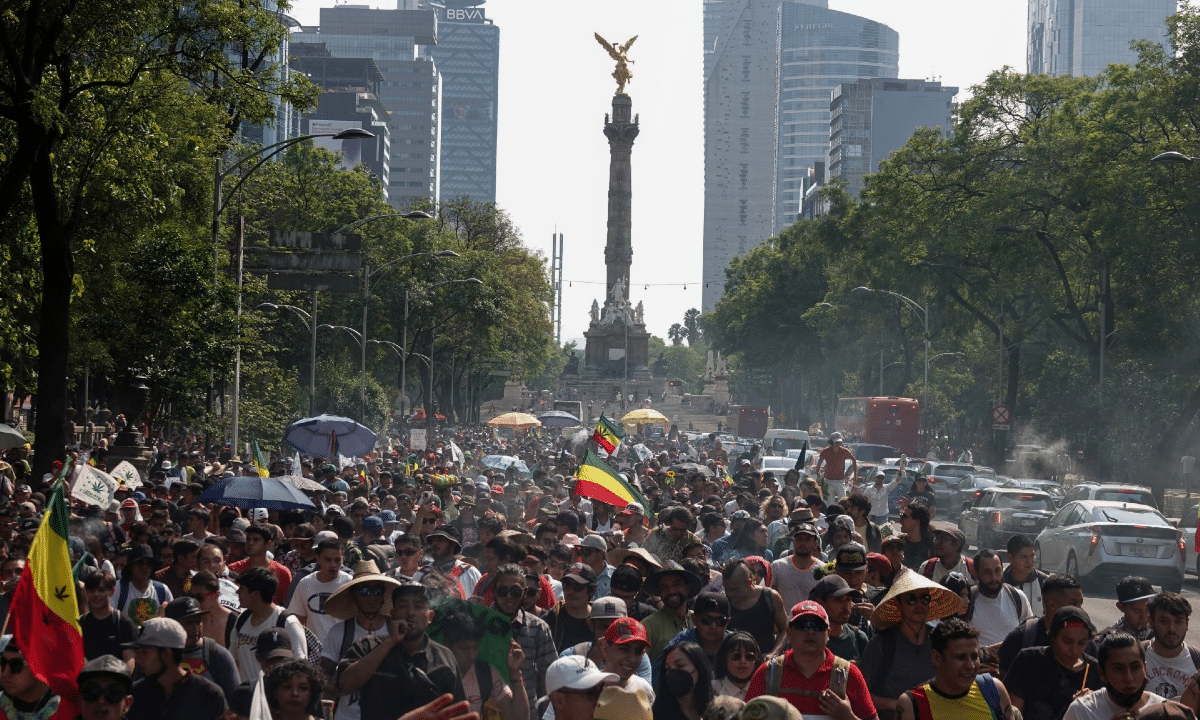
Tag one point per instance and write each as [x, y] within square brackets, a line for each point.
[515, 420]
[645, 416]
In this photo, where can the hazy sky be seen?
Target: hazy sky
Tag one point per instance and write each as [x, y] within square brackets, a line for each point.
[555, 89]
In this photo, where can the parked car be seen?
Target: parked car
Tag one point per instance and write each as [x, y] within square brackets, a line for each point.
[1189, 526]
[1000, 513]
[1055, 490]
[777, 465]
[971, 486]
[944, 478]
[1090, 539]
[1139, 494]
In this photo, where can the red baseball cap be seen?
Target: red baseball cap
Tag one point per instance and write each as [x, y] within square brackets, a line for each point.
[808, 608]
[626, 630]
[497, 489]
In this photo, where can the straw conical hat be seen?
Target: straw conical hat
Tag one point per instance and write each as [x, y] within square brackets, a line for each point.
[340, 604]
[943, 602]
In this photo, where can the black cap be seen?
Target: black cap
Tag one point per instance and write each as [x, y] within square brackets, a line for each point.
[830, 586]
[851, 556]
[272, 640]
[1134, 588]
[1070, 616]
[711, 602]
[184, 607]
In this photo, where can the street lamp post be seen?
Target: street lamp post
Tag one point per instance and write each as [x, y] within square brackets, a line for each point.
[922, 312]
[378, 275]
[219, 204]
[309, 319]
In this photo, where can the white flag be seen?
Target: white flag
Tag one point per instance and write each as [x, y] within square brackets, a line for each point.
[127, 472]
[94, 487]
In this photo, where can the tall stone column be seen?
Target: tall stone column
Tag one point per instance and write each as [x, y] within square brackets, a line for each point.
[621, 129]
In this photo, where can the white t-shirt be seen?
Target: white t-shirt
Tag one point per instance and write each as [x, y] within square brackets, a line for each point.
[1168, 676]
[309, 601]
[792, 584]
[348, 707]
[141, 606]
[996, 617]
[1096, 706]
[247, 637]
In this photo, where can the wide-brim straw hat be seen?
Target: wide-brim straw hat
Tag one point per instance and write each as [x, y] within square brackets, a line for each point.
[943, 602]
[341, 605]
[617, 557]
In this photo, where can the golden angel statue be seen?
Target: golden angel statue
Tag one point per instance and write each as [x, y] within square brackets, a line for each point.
[622, 74]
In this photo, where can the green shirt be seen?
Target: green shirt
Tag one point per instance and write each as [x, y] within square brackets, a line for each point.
[661, 626]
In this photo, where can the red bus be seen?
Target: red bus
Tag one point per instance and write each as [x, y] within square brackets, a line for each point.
[892, 421]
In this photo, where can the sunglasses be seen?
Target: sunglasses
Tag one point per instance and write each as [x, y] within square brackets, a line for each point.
[201, 597]
[112, 694]
[371, 591]
[407, 553]
[721, 621]
[572, 585]
[429, 521]
[592, 695]
[748, 656]
[809, 625]
[912, 600]
[510, 591]
[13, 665]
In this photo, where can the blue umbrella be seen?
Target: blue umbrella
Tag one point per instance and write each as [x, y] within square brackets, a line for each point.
[328, 436]
[504, 462]
[256, 492]
[558, 420]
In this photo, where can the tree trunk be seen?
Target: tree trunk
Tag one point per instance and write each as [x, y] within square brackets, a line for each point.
[53, 332]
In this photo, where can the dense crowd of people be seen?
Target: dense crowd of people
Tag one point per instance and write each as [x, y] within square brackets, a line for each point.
[425, 585]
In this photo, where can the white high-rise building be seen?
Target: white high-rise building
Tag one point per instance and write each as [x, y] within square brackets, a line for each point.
[769, 69]
[1083, 37]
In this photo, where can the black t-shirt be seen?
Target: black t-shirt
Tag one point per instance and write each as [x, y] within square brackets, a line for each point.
[1045, 686]
[1014, 642]
[104, 637]
[567, 630]
[917, 553]
[193, 698]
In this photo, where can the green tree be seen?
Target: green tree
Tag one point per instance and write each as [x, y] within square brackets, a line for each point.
[676, 334]
[83, 87]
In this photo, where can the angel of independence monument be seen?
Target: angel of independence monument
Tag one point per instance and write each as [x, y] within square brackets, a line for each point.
[616, 356]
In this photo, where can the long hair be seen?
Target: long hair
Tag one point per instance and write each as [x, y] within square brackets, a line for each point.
[666, 707]
[740, 640]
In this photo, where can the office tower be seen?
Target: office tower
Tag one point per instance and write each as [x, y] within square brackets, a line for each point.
[869, 119]
[741, 62]
[769, 68]
[1082, 37]
[286, 123]
[467, 55]
[349, 99]
[410, 90]
[818, 50]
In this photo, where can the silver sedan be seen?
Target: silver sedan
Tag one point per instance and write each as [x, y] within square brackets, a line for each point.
[1095, 539]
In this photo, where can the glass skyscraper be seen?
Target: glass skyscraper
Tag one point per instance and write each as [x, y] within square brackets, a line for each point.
[819, 49]
[769, 69]
[1083, 37]
[410, 90]
[467, 55]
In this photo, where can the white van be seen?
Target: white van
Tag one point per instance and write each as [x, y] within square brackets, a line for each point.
[779, 441]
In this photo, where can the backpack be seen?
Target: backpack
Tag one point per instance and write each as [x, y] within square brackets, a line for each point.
[838, 679]
[311, 643]
[987, 688]
[1013, 594]
[929, 566]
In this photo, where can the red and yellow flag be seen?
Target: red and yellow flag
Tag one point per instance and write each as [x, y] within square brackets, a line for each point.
[598, 481]
[608, 434]
[44, 612]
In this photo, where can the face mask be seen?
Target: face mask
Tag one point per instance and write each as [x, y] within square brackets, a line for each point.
[679, 682]
[1124, 699]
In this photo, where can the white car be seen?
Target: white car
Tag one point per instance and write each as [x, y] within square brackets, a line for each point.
[1090, 539]
[776, 464]
[1188, 527]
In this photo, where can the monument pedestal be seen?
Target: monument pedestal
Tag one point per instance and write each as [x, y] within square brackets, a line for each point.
[616, 351]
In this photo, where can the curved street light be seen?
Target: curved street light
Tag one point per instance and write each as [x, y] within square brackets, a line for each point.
[922, 312]
[219, 204]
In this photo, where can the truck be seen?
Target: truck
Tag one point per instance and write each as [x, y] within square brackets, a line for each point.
[574, 407]
[750, 421]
